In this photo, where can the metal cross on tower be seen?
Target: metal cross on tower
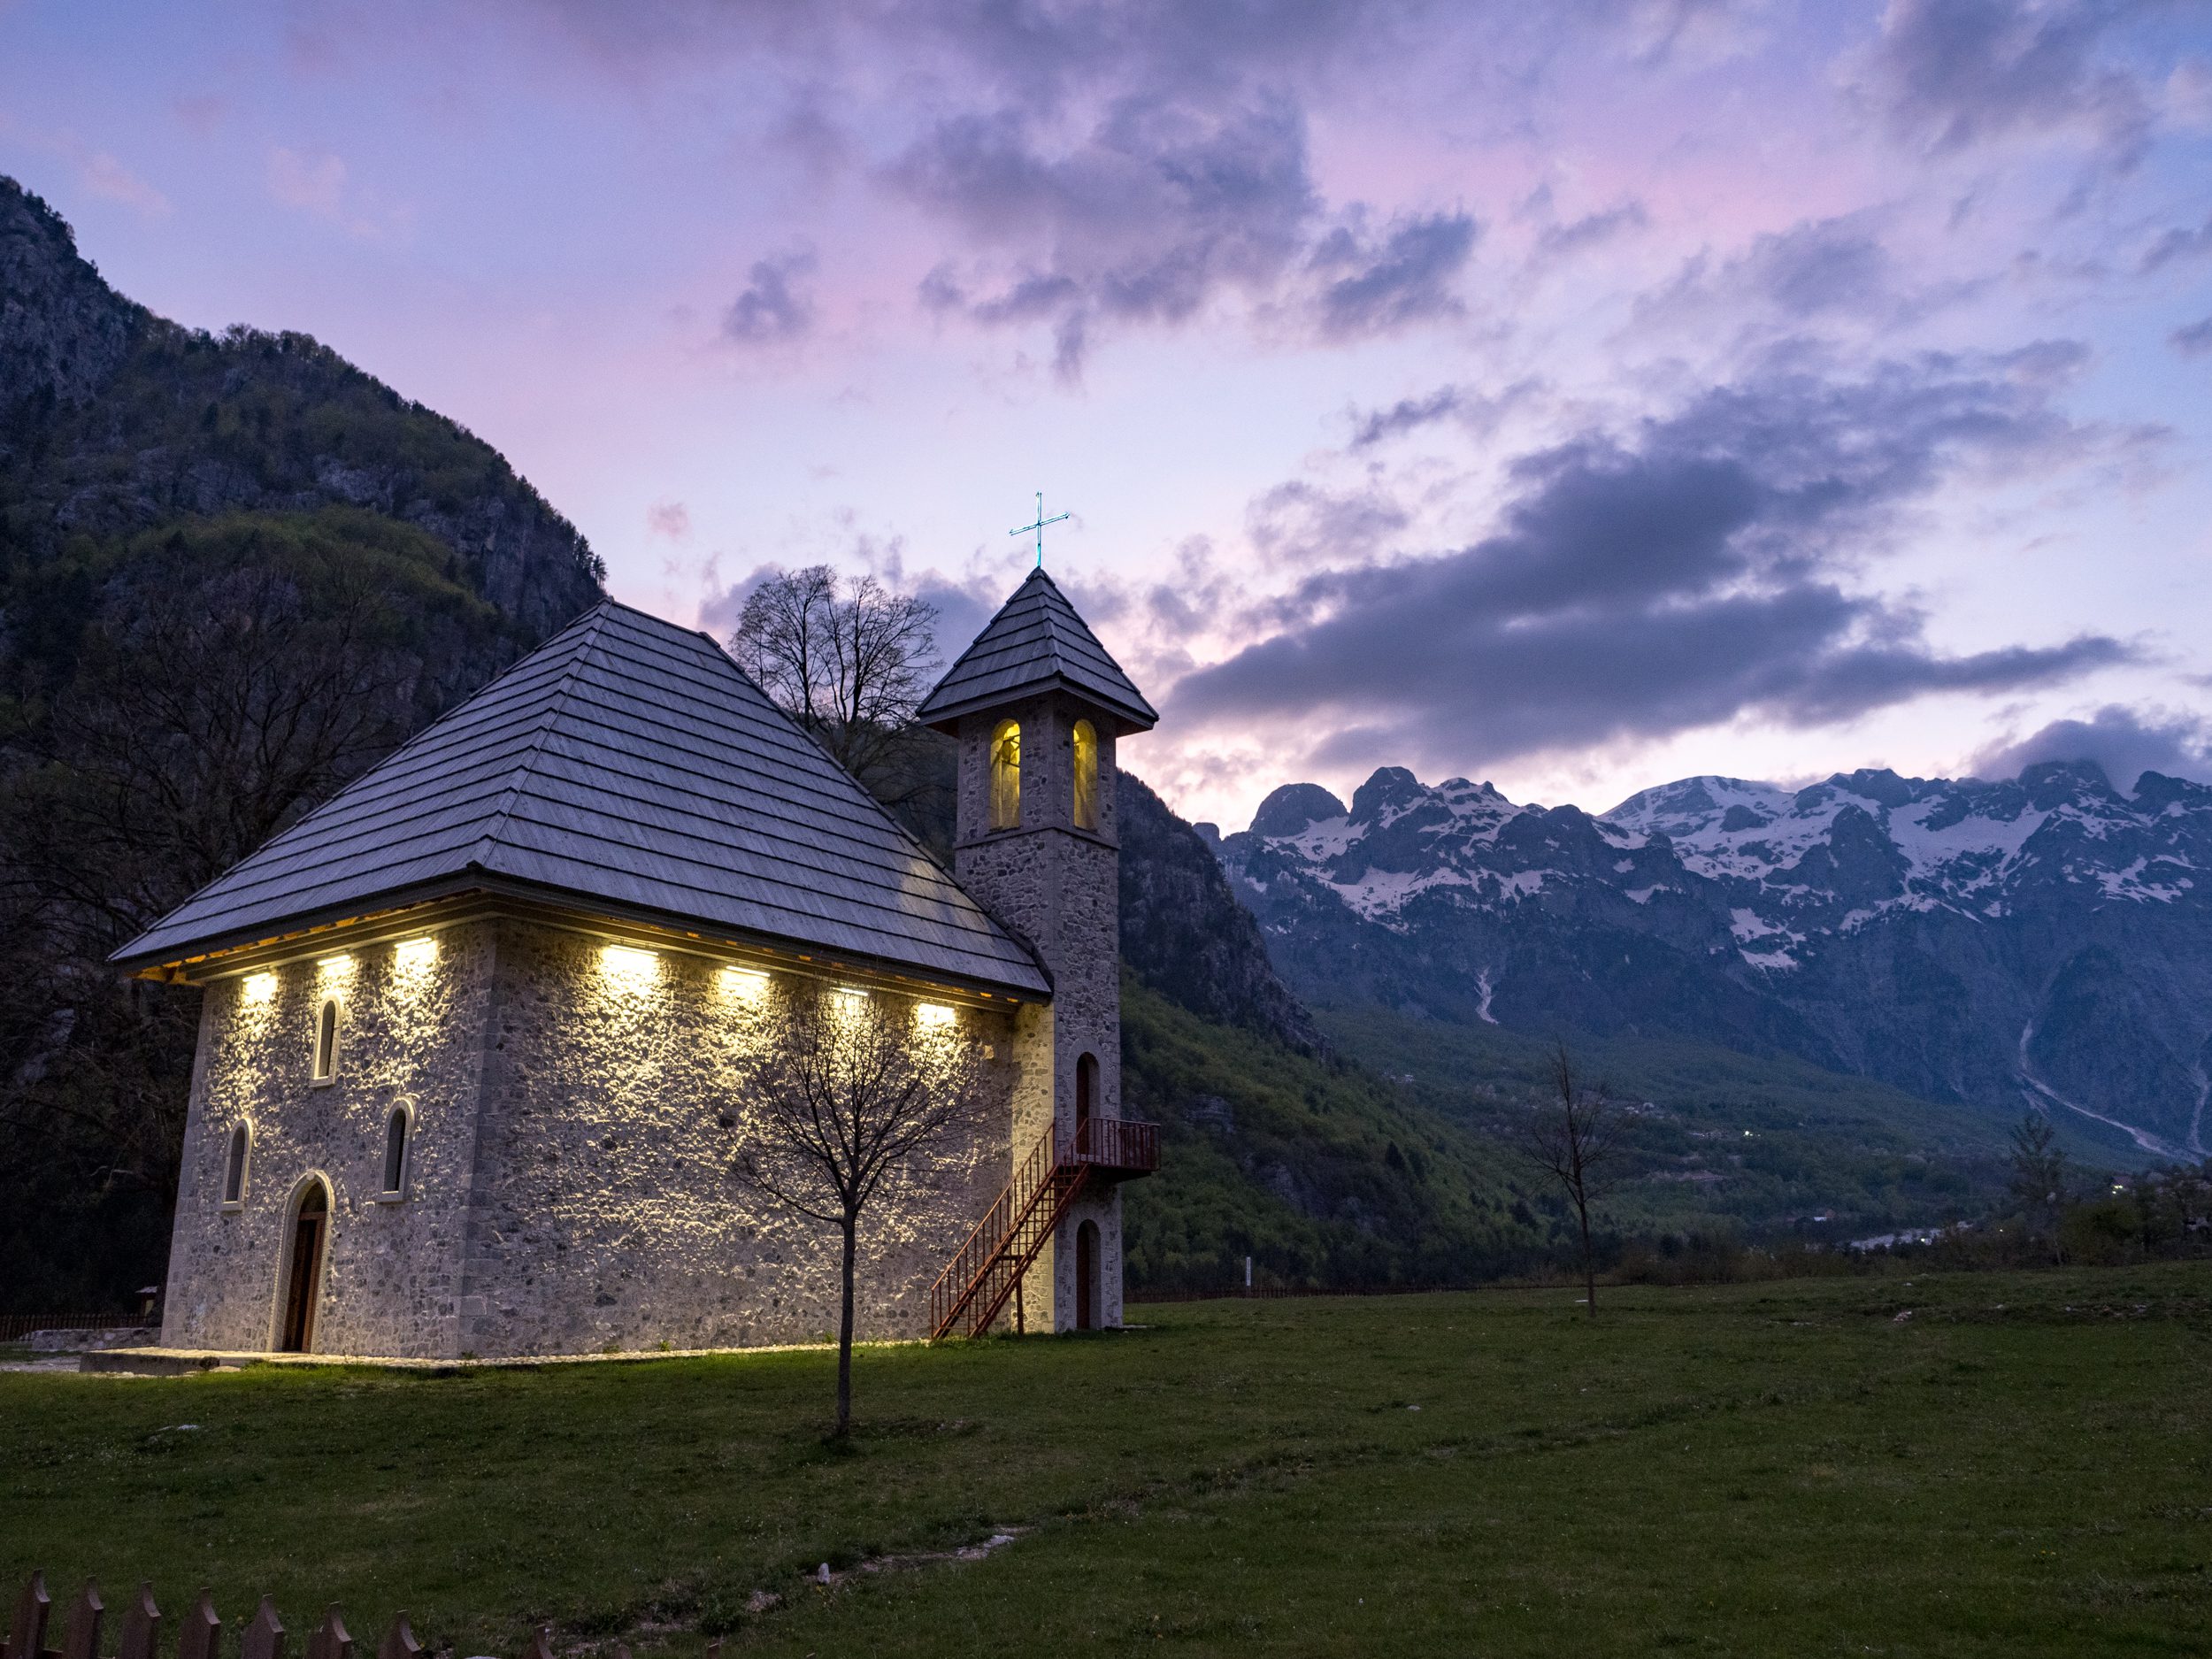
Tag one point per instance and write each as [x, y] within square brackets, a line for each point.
[1040, 528]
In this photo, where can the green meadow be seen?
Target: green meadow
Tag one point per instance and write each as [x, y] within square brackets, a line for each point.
[1991, 1463]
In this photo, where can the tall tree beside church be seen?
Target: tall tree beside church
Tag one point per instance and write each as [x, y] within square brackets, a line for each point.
[846, 657]
[849, 1099]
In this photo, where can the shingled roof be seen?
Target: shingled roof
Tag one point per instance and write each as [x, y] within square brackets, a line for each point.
[627, 763]
[1036, 643]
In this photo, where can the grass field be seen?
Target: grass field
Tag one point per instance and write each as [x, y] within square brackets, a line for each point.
[2023, 1466]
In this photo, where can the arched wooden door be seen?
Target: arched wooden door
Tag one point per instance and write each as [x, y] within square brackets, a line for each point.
[1087, 1276]
[303, 1269]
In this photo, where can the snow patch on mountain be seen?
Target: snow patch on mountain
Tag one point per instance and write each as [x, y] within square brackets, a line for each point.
[1905, 926]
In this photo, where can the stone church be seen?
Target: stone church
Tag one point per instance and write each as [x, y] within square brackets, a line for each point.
[467, 1029]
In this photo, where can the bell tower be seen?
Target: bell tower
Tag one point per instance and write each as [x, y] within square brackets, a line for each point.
[1039, 708]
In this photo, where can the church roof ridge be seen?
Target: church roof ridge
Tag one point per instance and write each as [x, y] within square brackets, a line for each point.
[631, 763]
[1038, 641]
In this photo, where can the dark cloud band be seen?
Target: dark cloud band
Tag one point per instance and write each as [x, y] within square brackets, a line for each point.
[1692, 574]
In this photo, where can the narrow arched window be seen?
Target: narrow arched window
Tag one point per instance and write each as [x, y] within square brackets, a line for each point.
[395, 1152]
[235, 1167]
[1006, 776]
[1086, 776]
[326, 1041]
[1086, 1087]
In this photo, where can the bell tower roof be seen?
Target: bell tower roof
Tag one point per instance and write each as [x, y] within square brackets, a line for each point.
[1036, 643]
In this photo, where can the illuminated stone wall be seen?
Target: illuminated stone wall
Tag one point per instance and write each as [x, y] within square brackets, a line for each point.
[570, 1185]
[605, 1211]
[411, 1031]
[1058, 887]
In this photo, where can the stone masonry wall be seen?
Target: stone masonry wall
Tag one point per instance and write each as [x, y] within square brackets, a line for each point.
[1058, 887]
[605, 1213]
[411, 1031]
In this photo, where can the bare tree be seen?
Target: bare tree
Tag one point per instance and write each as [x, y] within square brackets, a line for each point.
[2038, 1176]
[850, 1097]
[1576, 1139]
[846, 657]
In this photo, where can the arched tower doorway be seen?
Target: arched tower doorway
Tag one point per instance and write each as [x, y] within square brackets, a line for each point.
[1087, 1265]
[307, 1240]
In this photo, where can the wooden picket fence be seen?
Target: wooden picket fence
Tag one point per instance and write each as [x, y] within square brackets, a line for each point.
[201, 1632]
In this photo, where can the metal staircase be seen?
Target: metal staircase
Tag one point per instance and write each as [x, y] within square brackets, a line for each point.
[981, 1277]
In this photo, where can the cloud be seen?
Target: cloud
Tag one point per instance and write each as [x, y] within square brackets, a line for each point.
[104, 176]
[1694, 573]
[670, 519]
[2177, 243]
[2189, 92]
[2193, 340]
[1817, 270]
[200, 113]
[314, 184]
[1825, 266]
[1158, 207]
[774, 306]
[1297, 523]
[1471, 412]
[319, 185]
[1407, 414]
[1956, 74]
[1592, 230]
[2126, 742]
[1372, 289]
[1154, 210]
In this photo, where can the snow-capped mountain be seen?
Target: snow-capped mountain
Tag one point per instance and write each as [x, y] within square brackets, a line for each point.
[2044, 940]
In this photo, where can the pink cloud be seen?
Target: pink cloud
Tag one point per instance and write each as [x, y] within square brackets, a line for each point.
[314, 184]
[107, 177]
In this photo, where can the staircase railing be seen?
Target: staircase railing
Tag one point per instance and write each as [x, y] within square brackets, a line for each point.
[983, 1272]
[1120, 1144]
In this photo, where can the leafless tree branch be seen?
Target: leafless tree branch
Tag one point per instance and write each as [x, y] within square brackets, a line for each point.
[1576, 1139]
[849, 1097]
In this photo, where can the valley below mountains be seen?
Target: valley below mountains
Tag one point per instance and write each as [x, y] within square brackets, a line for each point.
[2043, 943]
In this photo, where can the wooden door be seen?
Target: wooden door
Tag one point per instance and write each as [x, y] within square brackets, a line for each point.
[305, 1271]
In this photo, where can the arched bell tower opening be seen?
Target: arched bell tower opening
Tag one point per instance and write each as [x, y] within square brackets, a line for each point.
[1039, 708]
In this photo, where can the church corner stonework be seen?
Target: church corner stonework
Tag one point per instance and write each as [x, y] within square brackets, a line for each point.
[411, 1035]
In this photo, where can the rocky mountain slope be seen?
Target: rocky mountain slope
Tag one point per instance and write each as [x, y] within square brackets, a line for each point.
[2046, 941]
[112, 419]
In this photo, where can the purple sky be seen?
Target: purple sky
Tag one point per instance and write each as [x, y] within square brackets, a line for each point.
[1577, 396]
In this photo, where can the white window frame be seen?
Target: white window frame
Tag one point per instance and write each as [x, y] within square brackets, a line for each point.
[316, 1078]
[397, 1194]
[232, 1206]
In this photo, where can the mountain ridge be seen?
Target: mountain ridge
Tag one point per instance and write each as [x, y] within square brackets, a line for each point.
[2041, 941]
[114, 419]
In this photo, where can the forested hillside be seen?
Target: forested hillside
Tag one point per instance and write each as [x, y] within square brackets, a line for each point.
[235, 570]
